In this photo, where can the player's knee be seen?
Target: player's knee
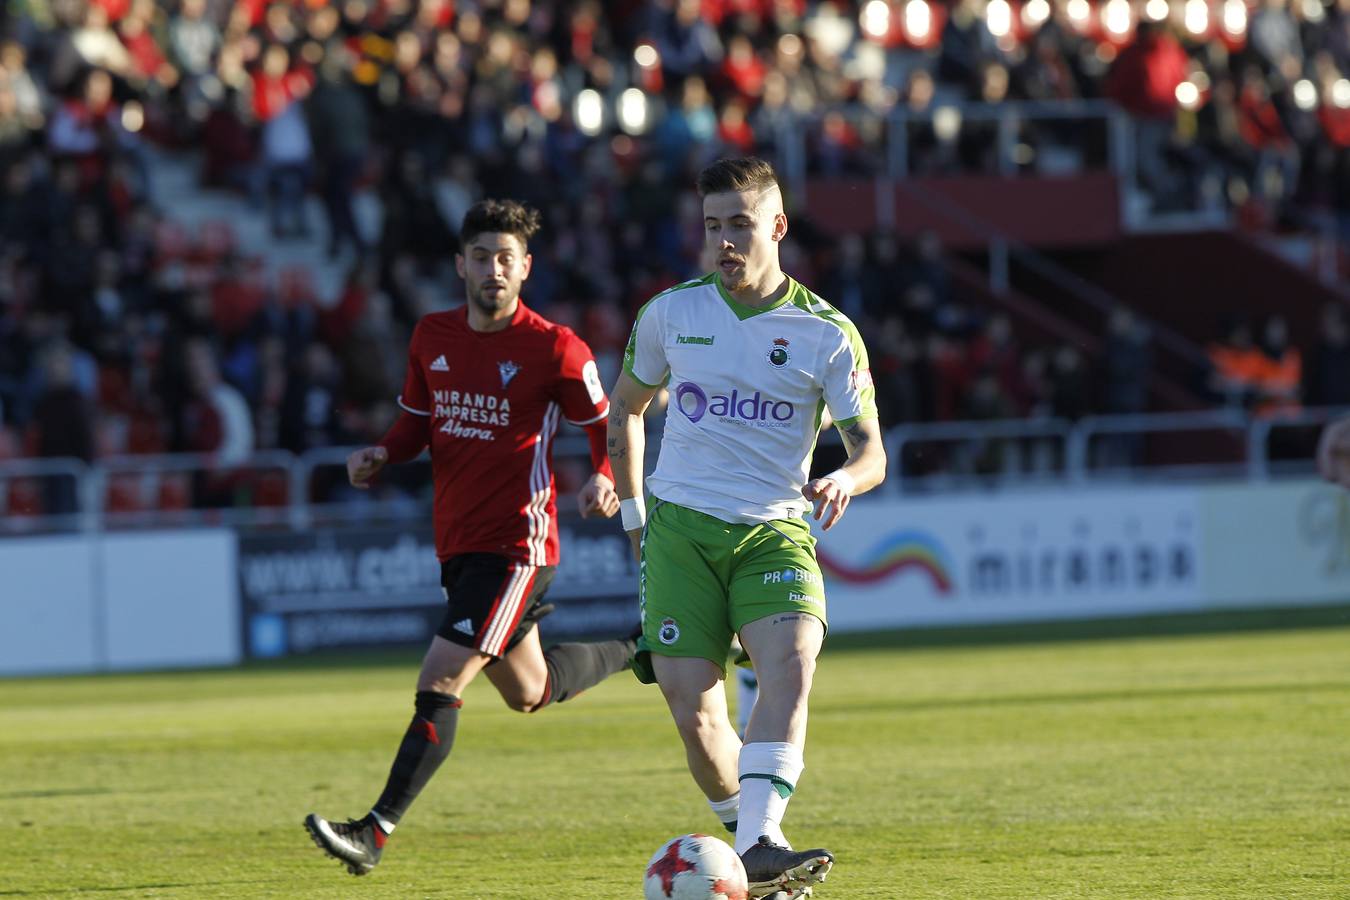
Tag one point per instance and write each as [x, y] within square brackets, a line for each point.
[437, 685]
[525, 701]
[790, 674]
[695, 725]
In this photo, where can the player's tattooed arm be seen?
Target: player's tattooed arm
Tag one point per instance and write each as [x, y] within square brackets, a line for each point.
[863, 470]
[618, 412]
[866, 454]
[854, 436]
[626, 438]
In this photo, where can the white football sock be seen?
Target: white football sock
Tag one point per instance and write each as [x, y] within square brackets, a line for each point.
[769, 773]
[727, 811]
[385, 825]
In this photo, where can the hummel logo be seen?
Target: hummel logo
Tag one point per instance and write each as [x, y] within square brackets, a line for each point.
[464, 626]
[694, 339]
[440, 365]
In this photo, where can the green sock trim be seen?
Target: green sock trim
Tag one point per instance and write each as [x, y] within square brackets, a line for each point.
[784, 788]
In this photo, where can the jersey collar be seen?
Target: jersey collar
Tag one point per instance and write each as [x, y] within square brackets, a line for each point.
[744, 312]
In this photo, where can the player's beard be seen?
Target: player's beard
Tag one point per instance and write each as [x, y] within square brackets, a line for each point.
[735, 280]
[495, 302]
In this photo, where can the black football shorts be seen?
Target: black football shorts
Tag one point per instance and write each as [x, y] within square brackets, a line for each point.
[490, 599]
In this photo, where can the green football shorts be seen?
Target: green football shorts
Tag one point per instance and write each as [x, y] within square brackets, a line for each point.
[702, 579]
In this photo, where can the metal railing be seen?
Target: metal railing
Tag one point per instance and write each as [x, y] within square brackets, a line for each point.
[1091, 428]
[1260, 466]
[972, 440]
[950, 117]
[946, 119]
[277, 488]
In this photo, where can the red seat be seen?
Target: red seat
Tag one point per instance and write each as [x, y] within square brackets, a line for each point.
[174, 492]
[295, 286]
[172, 241]
[217, 239]
[124, 493]
[25, 498]
[270, 489]
[9, 444]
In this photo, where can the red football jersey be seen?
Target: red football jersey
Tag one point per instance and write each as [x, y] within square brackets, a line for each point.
[494, 400]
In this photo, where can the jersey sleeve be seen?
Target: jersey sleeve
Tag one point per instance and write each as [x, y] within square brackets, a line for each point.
[645, 357]
[848, 390]
[415, 398]
[579, 391]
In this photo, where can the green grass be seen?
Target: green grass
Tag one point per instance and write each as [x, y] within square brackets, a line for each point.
[1185, 766]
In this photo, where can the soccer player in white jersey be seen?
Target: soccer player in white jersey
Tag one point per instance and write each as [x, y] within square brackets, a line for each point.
[752, 359]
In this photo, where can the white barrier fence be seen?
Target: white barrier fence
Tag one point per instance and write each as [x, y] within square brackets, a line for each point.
[126, 601]
[1087, 553]
[161, 599]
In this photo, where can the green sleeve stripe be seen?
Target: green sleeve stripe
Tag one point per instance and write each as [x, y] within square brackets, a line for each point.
[629, 369]
[630, 351]
[812, 303]
[845, 423]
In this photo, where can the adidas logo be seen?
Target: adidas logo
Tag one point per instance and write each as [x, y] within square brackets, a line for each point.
[440, 365]
[464, 626]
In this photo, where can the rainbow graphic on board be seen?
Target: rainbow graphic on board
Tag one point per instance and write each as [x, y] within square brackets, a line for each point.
[892, 555]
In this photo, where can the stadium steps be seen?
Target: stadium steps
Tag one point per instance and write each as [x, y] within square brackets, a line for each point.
[176, 190]
[1041, 323]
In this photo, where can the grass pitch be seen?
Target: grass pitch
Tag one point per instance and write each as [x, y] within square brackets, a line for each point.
[1196, 766]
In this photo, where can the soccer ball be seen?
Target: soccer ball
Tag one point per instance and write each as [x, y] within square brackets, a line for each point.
[695, 867]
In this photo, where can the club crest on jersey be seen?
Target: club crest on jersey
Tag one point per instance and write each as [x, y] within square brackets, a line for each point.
[508, 371]
[669, 633]
[778, 353]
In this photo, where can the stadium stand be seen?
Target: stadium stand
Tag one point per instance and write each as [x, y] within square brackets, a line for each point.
[220, 220]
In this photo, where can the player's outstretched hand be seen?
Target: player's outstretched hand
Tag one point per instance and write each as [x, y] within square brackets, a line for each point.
[363, 464]
[597, 495]
[1333, 453]
[829, 497]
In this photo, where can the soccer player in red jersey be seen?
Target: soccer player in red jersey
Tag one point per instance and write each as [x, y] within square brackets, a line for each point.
[486, 387]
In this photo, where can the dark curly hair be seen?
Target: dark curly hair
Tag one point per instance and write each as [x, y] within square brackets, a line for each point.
[504, 216]
[748, 173]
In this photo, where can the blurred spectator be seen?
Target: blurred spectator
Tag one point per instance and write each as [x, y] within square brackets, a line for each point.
[1236, 365]
[1126, 363]
[1144, 81]
[309, 412]
[412, 219]
[685, 43]
[1126, 371]
[1274, 36]
[61, 426]
[1328, 372]
[340, 128]
[845, 282]
[193, 39]
[286, 145]
[1280, 379]
[1070, 389]
[884, 278]
[216, 419]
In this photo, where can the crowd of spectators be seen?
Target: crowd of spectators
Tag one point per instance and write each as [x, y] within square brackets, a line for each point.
[122, 331]
[1261, 371]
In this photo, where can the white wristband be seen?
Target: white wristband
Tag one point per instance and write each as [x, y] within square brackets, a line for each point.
[633, 511]
[844, 480]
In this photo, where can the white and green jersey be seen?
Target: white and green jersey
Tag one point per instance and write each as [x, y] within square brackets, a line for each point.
[747, 389]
